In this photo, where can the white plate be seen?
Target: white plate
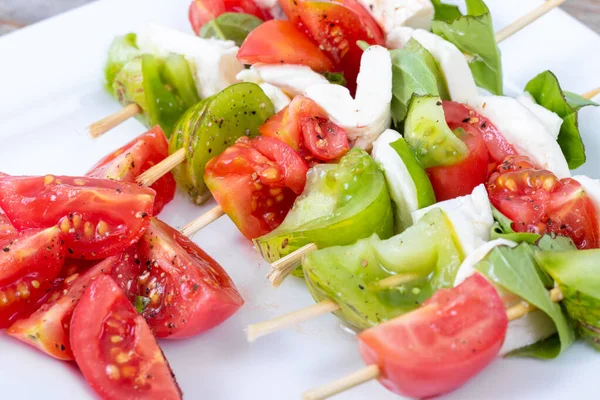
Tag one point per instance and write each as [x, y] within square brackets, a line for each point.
[51, 87]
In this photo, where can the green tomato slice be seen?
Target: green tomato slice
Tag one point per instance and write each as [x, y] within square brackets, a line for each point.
[177, 74]
[340, 204]
[122, 50]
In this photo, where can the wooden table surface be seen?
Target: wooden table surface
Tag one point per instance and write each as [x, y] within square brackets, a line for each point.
[18, 13]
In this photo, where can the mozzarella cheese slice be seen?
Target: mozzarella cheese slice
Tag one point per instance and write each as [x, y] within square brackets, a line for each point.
[292, 79]
[467, 268]
[524, 131]
[452, 63]
[213, 62]
[592, 189]
[367, 115]
[470, 216]
[279, 99]
[399, 181]
[391, 14]
[551, 120]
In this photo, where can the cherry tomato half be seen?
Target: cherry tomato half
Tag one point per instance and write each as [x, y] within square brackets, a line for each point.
[202, 11]
[137, 156]
[98, 218]
[440, 346]
[115, 349]
[29, 263]
[537, 201]
[256, 182]
[280, 42]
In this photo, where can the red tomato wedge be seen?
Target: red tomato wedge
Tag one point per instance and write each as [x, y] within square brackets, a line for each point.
[460, 179]
[202, 11]
[440, 346]
[537, 201]
[186, 291]
[256, 182]
[280, 42]
[460, 116]
[7, 230]
[29, 263]
[98, 218]
[48, 328]
[137, 156]
[115, 349]
[304, 126]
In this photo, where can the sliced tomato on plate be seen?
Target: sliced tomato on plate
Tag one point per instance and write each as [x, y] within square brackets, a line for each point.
[256, 182]
[460, 116]
[115, 349]
[29, 263]
[461, 178]
[7, 229]
[537, 201]
[183, 290]
[98, 218]
[305, 127]
[202, 11]
[438, 347]
[281, 42]
[48, 329]
[134, 158]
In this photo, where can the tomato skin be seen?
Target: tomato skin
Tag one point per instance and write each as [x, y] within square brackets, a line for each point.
[29, 263]
[304, 126]
[460, 116]
[460, 179]
[98, 218]
[114, 347]
[202, 11]
[47, 329]
[440, 346]
[280, 42]
[537, 201]
[136, 157]
[256, 182]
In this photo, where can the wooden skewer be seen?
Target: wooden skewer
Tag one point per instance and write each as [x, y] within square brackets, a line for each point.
[371, 372]
[527, 19]
[202, 221]
[591, 94]
[99, 128]
[283, 267]
[162, 168]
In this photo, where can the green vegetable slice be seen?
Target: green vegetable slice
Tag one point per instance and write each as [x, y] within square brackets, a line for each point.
[502, 229]
[547, 92]
[474, 35]
[122, 50]
[177, 74]
[445, 12]
[230, 26]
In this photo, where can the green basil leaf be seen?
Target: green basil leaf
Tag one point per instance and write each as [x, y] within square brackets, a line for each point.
[545, 349]
[516, 270]
[547, 92]
[141, 302]
[230, 26]
[414, 72]
[445, 12]
[502, 229]
[474, 35]
[336, 78]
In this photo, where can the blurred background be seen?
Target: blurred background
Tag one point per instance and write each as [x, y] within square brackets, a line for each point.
[15, 14]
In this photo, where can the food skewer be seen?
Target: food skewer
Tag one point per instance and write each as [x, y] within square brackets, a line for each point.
[107, 123]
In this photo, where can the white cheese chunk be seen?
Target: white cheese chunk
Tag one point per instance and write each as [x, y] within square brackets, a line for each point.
[213, 62]
[470, 216]
[292, 79]
[279, 99]
[391, 14]
[551, 120]
[367, 115]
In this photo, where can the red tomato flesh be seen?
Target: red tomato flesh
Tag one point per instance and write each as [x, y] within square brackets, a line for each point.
[280, 42]
[7, 230]
[440, 346]
[98, 218]
[304, 126]
[134, 158]
[29, 263]
[202, 11]
[188, 292]
[537, 201]
[461, 178]
[114, 347]
[256, 182]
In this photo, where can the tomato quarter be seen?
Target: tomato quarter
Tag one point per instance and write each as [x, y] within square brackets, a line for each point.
[98, 218]
[537, 201]
[202, 11]
[438, 347]
[134, 158]
[115, 349]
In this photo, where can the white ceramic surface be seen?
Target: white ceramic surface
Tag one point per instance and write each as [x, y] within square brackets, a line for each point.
[51, 87]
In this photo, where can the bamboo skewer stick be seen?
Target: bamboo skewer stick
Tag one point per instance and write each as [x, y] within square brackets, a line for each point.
[99, 128]
[162, 168]
[371, 372]
[283, 267]
[525, 20]
[204, 220]
[591, 94]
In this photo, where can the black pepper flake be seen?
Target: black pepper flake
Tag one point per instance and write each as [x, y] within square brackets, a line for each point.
[6, 249]
[144, 215]
[361, 287]
[438, 103]
[70, 250]
[62, 347]
[466, 120]
[196, 286]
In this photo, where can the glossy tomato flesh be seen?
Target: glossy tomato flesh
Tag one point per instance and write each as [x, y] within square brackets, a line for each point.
[305, 127]
[186, 291]
[537, 201]
[115, 349]
[202, 11]
[256, 182]
[29, 263]
[134, 158]
[461, 178]
[281, 42]
[7, 229]
[440, 346]
[98, 218]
